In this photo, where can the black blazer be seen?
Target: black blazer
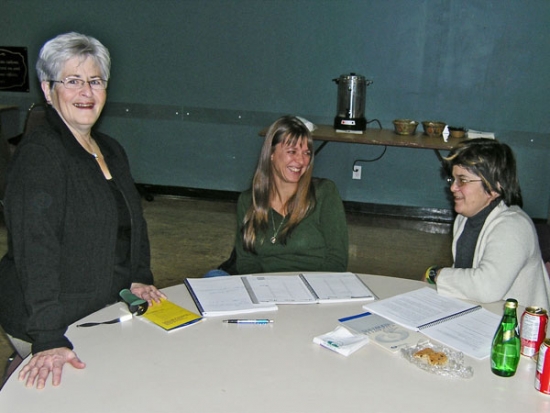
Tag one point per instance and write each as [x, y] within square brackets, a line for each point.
[62, 225]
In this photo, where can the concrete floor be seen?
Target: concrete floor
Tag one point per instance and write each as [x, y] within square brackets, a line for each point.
[190, 236]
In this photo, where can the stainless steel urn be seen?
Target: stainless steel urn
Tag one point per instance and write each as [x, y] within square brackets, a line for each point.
[352, 92]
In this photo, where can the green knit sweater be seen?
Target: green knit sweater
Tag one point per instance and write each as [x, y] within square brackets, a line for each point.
[318, 243]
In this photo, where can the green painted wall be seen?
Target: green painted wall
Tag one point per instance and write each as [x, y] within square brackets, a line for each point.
[193, 82]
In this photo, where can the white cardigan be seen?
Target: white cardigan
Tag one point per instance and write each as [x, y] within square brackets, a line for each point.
[507, 262]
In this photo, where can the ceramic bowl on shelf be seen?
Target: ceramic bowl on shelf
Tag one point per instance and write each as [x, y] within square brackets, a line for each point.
[405, 126]
[457, 132]
[433, 128]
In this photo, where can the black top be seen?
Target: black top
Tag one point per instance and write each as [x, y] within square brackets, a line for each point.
[62, 221]
[122, 255]
[466, 244]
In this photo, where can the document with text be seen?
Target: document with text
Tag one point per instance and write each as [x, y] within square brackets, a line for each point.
[219, 296]
[262, 292]
[463, 326]
[308, 288]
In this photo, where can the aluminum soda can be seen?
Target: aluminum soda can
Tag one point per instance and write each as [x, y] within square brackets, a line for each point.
[533, 330]
[542, 375]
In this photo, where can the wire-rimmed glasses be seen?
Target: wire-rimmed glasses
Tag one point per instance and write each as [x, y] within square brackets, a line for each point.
[76, 83]
[460, 182]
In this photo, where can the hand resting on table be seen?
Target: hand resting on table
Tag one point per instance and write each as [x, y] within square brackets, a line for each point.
[48, 362]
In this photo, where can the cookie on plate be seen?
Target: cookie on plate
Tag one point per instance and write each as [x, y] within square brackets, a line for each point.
[438, 358]
[424, 353]
[434, 358]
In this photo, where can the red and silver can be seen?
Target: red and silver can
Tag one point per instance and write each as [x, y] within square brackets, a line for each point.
[542, 375]
[533, 330]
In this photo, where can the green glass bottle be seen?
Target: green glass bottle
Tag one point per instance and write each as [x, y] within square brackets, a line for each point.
[505, 351]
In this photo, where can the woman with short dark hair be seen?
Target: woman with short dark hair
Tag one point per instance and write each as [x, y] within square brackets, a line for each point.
[495, 248]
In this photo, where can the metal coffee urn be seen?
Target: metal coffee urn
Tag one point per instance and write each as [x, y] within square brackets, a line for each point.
[352, 91]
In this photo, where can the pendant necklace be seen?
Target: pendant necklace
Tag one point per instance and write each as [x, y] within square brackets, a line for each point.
[273, 239]
[91, 151]
[94, 154]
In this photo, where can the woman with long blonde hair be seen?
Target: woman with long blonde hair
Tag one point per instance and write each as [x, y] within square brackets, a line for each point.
[288, 220]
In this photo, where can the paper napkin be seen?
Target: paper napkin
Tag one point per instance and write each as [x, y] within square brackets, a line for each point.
[342, 341]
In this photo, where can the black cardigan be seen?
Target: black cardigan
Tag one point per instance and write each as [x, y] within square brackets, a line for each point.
[61, 218]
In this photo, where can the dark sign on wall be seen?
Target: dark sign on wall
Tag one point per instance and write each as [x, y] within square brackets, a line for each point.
[14, 73]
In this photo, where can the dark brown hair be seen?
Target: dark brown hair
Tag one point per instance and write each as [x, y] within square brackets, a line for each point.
[494, 163]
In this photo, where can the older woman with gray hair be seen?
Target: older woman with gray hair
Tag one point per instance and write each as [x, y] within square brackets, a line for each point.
[76, 232]
[495, 247]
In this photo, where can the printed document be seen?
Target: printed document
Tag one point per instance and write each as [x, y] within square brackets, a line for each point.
[463, 326]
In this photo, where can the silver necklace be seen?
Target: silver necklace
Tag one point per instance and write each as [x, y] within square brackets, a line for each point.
[273, 239]
[90, 150]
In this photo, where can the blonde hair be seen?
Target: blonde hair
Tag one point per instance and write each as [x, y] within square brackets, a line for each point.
[287, 130]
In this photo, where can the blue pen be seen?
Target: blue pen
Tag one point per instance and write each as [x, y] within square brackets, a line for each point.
[248, 321]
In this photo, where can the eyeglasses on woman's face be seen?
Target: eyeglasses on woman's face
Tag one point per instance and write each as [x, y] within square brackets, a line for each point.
[76, 83]
[461, 181]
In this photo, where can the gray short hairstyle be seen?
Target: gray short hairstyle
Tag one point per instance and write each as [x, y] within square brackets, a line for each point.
[57, 51]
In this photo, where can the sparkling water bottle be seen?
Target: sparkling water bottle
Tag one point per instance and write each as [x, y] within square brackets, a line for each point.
[505, 351]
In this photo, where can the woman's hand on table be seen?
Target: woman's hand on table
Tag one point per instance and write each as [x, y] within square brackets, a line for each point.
[48, 362]
[149, 293]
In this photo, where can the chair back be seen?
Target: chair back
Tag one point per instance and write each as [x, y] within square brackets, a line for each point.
[36, 116]
[543, 234]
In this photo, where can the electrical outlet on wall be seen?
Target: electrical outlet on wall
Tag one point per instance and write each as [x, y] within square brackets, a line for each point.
[356, 172]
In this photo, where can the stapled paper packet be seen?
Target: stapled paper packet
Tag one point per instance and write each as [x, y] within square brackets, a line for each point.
[342, 341]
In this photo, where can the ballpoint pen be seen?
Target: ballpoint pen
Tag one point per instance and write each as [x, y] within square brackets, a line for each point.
[248, 321]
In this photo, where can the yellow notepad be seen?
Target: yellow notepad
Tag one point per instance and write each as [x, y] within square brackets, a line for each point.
[170, 316]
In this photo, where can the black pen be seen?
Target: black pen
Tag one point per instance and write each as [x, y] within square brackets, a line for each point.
[248, 321]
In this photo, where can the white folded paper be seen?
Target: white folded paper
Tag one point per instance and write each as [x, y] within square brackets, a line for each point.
[342, 341]
[445, 133]
[310, 125]
[473, 134]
